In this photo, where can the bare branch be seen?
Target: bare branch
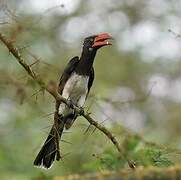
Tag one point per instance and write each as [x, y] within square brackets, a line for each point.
[174, 33]
[129, 101]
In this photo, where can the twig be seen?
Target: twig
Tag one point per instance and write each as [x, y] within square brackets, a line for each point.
[129, 101]
[15, 52]
[174, 33]
[3, 23]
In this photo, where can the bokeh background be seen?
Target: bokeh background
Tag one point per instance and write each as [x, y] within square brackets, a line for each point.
[136, 92]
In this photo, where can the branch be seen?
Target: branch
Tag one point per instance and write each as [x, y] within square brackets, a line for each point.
[52, 90]
[129, 101]
[140, 173]
[177, 35]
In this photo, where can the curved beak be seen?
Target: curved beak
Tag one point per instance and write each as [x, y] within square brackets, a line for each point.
[102, 40]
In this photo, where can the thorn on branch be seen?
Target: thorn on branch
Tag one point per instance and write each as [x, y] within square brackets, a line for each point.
[36, 92]
[37, 61]
[24, 47]
[65, 141]
[87, 129]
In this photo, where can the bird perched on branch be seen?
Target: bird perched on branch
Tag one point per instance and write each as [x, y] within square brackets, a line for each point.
[74, 85]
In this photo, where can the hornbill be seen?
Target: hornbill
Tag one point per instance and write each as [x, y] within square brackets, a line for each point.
[74, 85]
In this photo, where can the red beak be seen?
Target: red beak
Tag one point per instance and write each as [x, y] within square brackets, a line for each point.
[101, 40]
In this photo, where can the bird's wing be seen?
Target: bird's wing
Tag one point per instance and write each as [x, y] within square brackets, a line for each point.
[91, 79]
[67, 72]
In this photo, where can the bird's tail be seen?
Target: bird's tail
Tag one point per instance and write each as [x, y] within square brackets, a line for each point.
[50, 149]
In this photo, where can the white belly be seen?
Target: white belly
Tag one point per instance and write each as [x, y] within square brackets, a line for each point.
[75, 90]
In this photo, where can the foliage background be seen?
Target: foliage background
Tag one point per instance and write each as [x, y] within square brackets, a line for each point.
[136, 93]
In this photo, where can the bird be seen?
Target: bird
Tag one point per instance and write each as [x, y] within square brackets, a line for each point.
[74, 85]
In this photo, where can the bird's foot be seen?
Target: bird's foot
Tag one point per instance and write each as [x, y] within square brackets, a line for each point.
[70, 104]
[60, 116]
[81, 111]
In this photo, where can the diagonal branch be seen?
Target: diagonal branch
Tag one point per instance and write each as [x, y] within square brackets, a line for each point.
[15, 52]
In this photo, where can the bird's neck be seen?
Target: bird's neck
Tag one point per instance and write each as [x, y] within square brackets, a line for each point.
[86, 62]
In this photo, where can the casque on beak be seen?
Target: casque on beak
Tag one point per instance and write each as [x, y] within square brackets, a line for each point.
[101, 40]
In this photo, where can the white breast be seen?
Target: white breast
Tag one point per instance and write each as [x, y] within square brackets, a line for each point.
[75, 89]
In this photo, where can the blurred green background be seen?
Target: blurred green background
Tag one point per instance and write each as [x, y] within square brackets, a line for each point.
[136, 92]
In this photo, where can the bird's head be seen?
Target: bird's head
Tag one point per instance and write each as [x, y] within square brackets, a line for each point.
[93, 43]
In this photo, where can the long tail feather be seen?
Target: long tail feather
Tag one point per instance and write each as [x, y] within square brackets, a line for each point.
[50, 149]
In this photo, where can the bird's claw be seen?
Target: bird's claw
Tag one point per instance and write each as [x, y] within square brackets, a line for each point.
[70, 104]
[81, 111]
[60, 116]
[88, 113]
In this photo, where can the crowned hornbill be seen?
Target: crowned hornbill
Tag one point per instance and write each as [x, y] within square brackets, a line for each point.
[74, 85]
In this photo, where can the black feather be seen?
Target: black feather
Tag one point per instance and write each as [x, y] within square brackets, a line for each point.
[50, 149]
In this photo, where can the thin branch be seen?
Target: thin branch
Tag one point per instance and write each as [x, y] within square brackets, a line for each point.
[52, 90]
[174, 33]
[129, 101]
[3, 23]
